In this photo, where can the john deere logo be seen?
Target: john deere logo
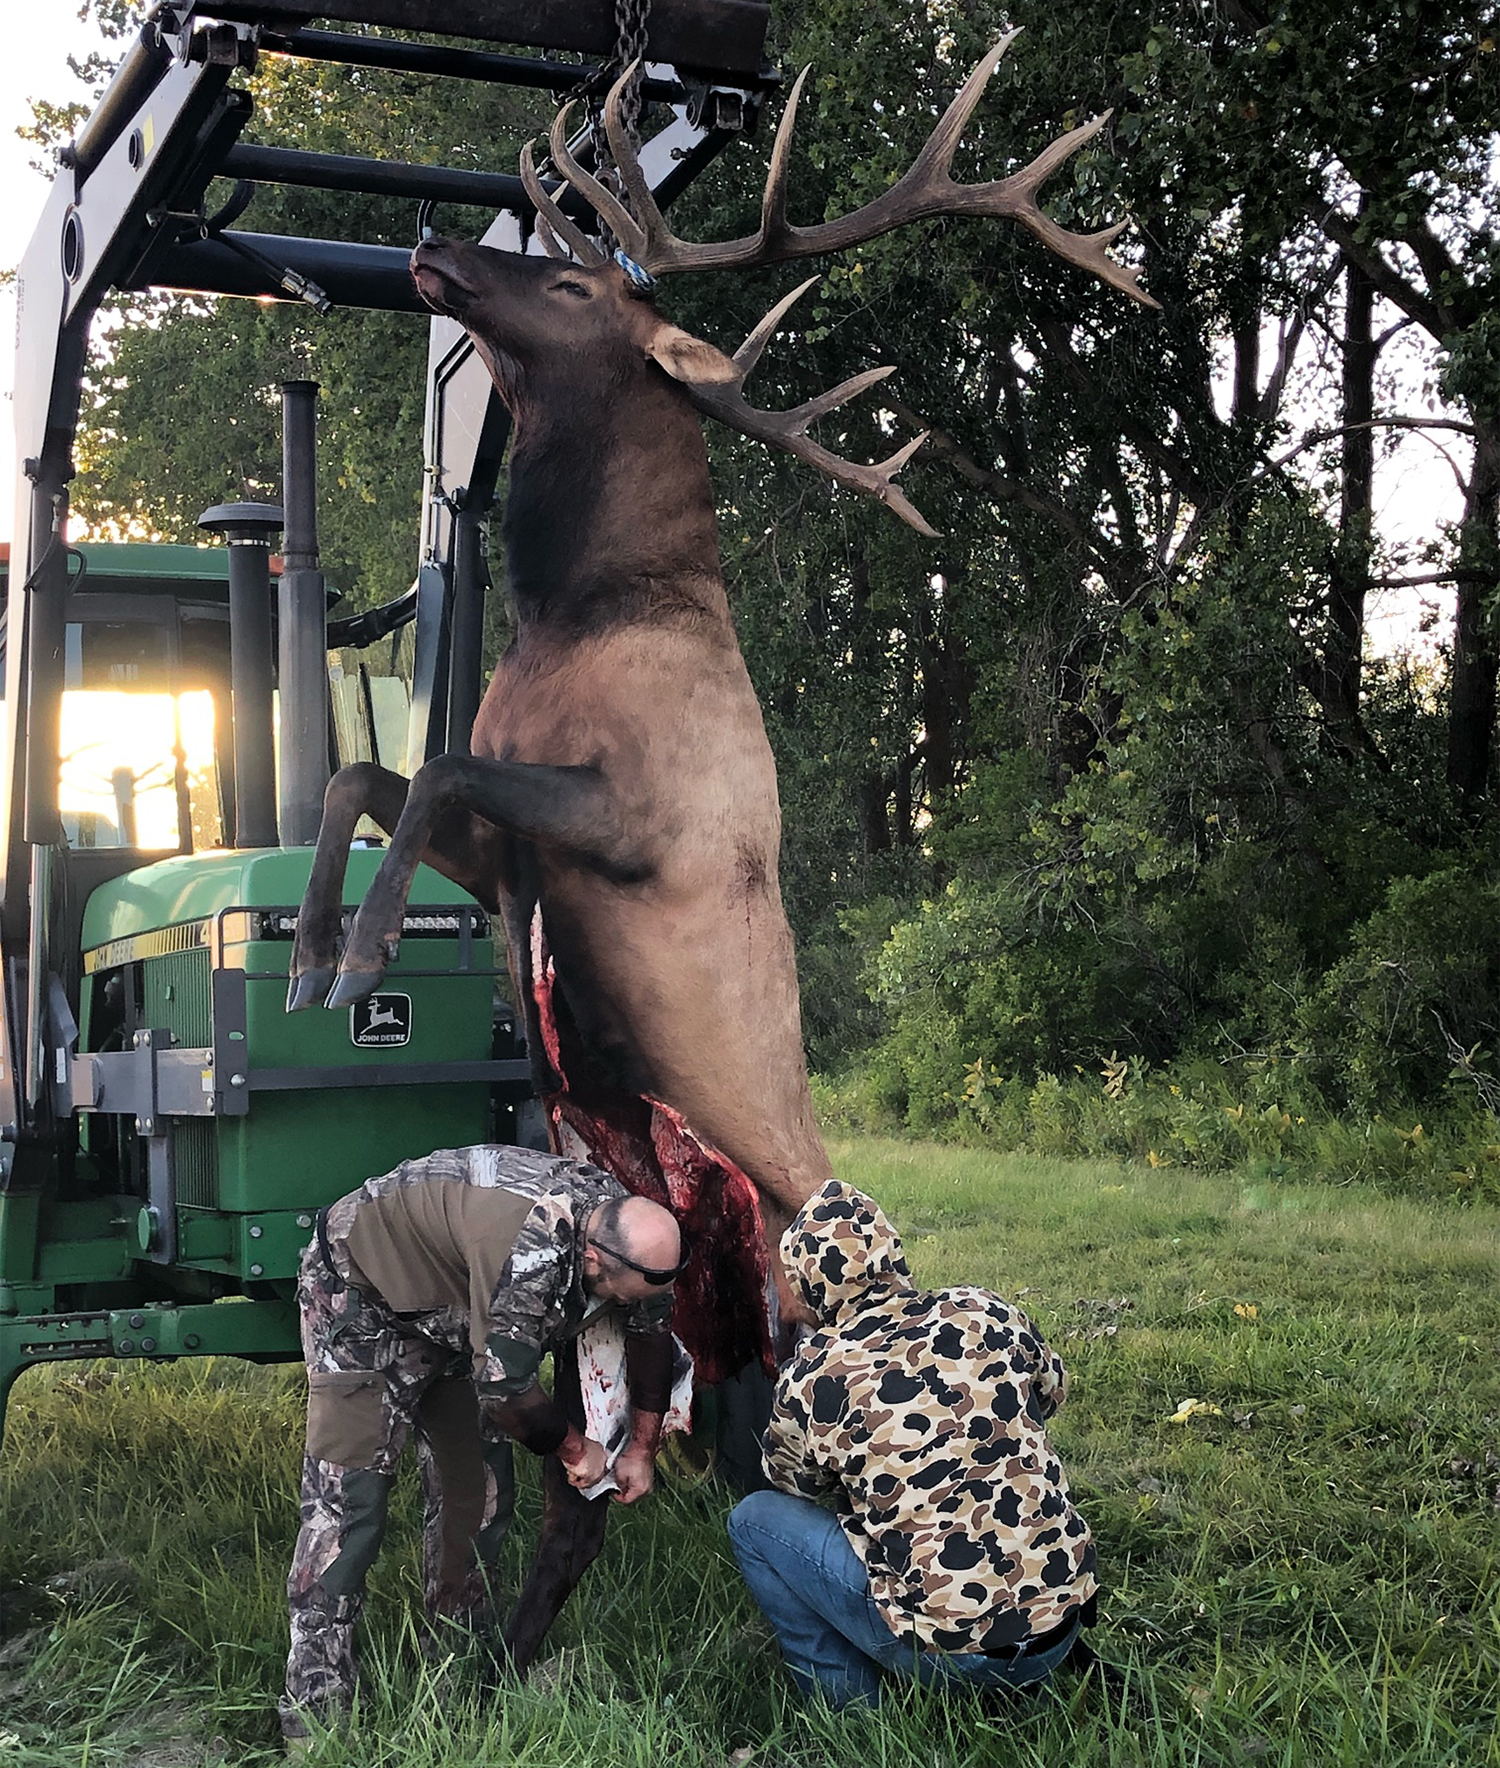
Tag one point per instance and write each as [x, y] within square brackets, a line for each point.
[382, 1020]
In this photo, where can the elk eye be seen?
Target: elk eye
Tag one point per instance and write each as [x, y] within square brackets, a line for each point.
[572, 287]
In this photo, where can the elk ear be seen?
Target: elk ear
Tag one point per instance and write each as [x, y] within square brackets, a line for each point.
[690, 359]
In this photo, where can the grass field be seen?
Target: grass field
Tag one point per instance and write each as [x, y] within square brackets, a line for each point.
[1301, 1570]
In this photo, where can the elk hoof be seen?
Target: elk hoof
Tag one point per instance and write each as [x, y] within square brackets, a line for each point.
[352, 986]
[308, 988]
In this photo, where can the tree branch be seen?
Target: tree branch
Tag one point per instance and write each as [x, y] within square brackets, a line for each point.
[943, 447]
[1430, 315]
[1317, 437]
[1432, 577]
[1291, 338]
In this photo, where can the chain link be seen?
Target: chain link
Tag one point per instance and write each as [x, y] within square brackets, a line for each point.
[631, 19]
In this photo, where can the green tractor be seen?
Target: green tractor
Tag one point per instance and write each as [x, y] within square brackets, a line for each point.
[183, 1127]
[172, 713]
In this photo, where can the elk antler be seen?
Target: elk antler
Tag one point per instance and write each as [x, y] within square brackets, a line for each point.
[726, 401]
[554, 226]
[926, 189]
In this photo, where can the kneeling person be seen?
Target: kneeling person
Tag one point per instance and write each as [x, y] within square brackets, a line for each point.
[429, 1298]
[953, 1552]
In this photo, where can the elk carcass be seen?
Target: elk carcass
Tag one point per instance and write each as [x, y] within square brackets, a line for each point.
[619, 807]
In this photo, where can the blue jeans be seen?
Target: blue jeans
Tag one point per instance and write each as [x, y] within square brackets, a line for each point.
[813, 1589]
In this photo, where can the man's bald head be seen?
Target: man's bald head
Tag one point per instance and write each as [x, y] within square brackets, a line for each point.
[648, 1234]
[636, 1230]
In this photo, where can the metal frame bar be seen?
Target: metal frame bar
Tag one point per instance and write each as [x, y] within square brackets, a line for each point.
[727, 34]
[302, 627]
[539, 72]
[332, 171]
[350, 274]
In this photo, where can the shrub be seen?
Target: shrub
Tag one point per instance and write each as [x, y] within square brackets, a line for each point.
[1419, 988]
[1265, 1116]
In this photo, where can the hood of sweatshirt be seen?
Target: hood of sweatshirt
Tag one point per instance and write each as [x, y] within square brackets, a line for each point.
[841, 1253]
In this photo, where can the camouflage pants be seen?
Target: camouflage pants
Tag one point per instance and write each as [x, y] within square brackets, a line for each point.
[372, 1381]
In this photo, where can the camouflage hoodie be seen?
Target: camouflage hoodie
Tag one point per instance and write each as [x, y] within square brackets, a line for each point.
[920, 1414]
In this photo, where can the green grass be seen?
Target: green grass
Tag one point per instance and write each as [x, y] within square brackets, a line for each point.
[1306, 1576]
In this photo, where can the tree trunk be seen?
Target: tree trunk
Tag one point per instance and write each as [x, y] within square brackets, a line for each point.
[1471, 712]
[874, 815]
[1350, 578]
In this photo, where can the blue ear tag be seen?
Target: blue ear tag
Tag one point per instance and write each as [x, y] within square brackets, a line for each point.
[641, 280]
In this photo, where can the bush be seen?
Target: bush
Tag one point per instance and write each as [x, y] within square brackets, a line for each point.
[979, 974]
[1418, 991]
[1265, 1115]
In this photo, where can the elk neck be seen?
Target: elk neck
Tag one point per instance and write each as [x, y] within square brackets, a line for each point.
[610, 515]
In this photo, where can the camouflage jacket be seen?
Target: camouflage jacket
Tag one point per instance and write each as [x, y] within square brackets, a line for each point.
[919, 1414]
[480, 1249]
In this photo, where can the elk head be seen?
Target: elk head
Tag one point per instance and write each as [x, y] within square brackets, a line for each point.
[579, 296]
[532, 318]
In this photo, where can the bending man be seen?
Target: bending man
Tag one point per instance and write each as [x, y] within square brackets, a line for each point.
[429, 1298]
[952, 1552]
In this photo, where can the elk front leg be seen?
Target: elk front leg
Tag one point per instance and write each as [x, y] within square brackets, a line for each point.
[457, 846]
[571, 1536]
[567, 807]
[360, 790]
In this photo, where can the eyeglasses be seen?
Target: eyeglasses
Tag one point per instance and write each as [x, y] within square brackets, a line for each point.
[657, 1278]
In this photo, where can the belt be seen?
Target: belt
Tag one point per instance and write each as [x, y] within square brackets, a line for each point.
[321, 1228]
[1072, 1622]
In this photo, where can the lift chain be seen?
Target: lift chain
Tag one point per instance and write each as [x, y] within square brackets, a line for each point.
[631, 19]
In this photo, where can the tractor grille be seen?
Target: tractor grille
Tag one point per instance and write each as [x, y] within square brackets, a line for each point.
[195, 1159]
[177, 996]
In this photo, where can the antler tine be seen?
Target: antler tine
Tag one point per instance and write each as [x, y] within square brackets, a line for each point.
[1087, 251]
[652, 223]
[556, 229]
[937, 152]
[604, 202]
[661, 250]
[748, 353]
[876, 481]
[788, 429]
[773, 221]
[812, 409]
[1030, 179]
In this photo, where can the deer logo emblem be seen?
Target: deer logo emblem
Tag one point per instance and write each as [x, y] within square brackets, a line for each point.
[383, 1019]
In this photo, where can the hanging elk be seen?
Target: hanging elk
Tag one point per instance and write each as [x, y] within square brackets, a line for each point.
[619, 807]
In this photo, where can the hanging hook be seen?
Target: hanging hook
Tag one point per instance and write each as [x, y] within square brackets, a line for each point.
[424, 219]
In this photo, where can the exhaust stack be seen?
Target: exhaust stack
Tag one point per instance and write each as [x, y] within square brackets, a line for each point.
[248, 528]
[302, 626]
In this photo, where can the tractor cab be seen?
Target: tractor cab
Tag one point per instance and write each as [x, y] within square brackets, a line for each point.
[145, 681]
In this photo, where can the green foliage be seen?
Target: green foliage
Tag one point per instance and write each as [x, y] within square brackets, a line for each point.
[976, 975]
[186, 412]
[1263, 1115]
[1419, 989]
